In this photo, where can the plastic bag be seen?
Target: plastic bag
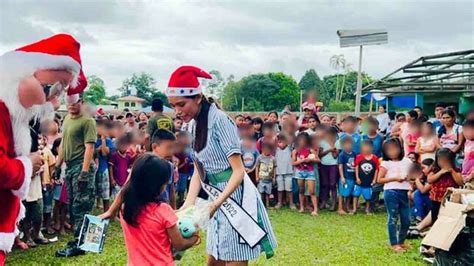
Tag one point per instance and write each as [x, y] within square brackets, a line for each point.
[198, 214]
[192, 219]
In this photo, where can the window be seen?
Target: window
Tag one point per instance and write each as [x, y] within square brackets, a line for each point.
[132, 104]
[127, 104]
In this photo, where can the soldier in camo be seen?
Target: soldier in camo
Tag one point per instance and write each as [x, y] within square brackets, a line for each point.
[77, 151]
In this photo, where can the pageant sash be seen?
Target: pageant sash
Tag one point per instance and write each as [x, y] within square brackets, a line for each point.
[242, 216]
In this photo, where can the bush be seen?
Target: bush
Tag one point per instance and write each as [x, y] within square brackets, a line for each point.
[343, 106]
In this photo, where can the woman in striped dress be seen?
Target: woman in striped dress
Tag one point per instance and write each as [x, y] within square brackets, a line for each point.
[217, 149]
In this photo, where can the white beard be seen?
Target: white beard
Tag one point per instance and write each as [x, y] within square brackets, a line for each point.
[20, 116]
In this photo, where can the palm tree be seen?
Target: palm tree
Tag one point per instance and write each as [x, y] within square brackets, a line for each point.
[337, 62]
[347, 69]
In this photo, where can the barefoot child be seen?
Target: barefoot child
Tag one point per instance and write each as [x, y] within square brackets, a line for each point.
[266, 172]
[346, 164]
[303, 159]
[393, 174]
[149, 224]
[367, 167]
[284, 171]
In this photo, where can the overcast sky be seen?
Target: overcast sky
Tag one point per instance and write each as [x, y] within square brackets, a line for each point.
[237, 37]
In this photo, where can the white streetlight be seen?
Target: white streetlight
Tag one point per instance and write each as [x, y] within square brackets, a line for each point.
[350, 38]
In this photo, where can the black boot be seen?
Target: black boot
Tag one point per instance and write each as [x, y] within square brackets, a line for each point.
[71, 250]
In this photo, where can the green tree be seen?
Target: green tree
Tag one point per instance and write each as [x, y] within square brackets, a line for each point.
[214, 87]
[95, 93]
[143, 84]
[261, 92]
[310, 81]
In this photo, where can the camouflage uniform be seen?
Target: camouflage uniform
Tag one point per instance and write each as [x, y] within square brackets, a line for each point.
[81, 194]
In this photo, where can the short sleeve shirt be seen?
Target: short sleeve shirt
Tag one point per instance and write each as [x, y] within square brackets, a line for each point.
[347, 160]
[149, 243]
[104, 159]
[367, 169]
[76, 133]
[249, 157]
[266, 167]
[397, 169]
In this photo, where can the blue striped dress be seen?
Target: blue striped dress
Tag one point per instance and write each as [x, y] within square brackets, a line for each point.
[222, 240]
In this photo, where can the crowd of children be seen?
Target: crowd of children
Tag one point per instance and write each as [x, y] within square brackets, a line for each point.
[310, 164]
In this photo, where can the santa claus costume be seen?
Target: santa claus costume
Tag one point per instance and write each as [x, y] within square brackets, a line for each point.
[59, 52]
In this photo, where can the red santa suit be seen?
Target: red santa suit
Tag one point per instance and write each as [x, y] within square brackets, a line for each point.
[57, 52]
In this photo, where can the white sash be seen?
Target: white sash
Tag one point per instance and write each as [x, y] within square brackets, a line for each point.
[242, 217]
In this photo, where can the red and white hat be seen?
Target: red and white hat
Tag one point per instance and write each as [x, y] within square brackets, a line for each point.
[60, 51]
[184, 81]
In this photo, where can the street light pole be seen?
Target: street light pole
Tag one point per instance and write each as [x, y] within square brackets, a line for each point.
[359, 84]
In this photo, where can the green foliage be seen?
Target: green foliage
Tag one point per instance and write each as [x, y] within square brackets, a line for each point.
[144, 86]
[214, 87]
[261, 92]
[333, 82]
[344, 106]
[95, 93]
[328, 239]
[311, 81]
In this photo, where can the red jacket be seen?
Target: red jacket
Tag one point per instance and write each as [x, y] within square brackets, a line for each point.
[15, 176]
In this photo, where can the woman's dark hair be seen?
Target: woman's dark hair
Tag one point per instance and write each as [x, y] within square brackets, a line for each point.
[273, 112]
[315, 117]
[442, 128]
[202, 118]
[446, 153]
[400, 115]
[413, 114]
[148, 176]
[417, 156]
[392, 115]
[55, 147]
[391, 142]
[427, 162]
[257, 120]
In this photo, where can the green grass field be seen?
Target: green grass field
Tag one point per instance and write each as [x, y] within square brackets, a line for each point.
[303, 240]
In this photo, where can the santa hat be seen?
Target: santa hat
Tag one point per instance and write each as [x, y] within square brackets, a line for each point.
[60, 51]
[184, 81]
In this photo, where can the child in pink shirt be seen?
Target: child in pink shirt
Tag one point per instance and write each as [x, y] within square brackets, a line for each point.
[149, 224]
[468, 163]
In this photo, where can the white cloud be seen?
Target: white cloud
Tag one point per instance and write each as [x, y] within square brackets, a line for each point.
[237, 37]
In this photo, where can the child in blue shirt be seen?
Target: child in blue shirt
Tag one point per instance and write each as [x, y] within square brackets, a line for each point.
[373, 136]
[346, 164]
[104, 147]
[350, 124]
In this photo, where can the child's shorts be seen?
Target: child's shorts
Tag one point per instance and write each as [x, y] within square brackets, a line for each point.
[284, 182]
[305, 175]
[33, 211]
[102, 184]
[48, 199]
[182, 183]
[347, 189]
[57, 191]
[366, 192]
[265, 187]
[115, 190]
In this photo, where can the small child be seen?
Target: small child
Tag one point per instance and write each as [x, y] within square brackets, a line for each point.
[350, 124]
[367, 167]
[303, 160]
[284, 171]
[444, 176]
[421, 196]
[47, 184]
[249, 157]
[60, 208]
[393, 174]
[427, 143]
[412, 136]
[149, 224]
[468, 163]
[372, 135]
[119, 164]
[328, 152]
[346, 163]
[266, 172]
[104, 146]
[313, 122]
[268, 130]
[184, 164]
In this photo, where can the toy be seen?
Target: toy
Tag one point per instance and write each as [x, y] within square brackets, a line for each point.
[186, 227]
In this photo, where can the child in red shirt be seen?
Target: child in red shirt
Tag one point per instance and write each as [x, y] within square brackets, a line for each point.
[444, 176]
[149, 224]
[366, 169]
